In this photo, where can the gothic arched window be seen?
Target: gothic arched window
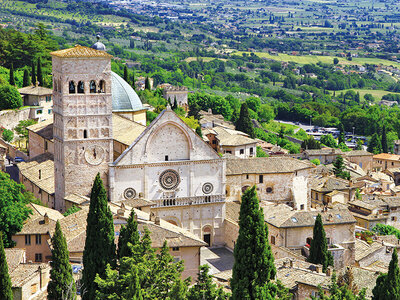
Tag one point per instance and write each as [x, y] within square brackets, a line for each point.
[102, 86]
[92, 86]
[81, 87]
[72, 87]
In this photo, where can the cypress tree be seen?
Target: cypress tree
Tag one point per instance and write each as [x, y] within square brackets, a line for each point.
[254, 264]
[26, 81]
[33, 73]
[205, 288]
[384, 140]
[341, 138]
[147, 83]
[5, 281]
[338, 166]
[125, 73]
[99, 246]
[12, 79]
[128, 234]
[133, 81]
[375, 145]
[62, 284]
[319, 253]
[39, 72]
[244, 122]
[199, 132]
[175, 106]
[388, 285]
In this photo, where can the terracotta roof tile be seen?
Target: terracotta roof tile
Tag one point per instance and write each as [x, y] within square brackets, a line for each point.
[80, 51]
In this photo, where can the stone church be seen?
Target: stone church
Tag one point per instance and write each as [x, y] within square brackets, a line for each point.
[168, 163]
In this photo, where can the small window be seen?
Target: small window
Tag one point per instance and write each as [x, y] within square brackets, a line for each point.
[166, 157]
[175, 248]
[241, 151]
[102, 86]
[40, 174]
[39, 112]
[294, 220]
[38, 257]
[247, 176]
[27, 239]
[85, 134]
[46, 146]
[214, 142]
[251, 151]
[301, 206]
[72, 89]
[81, 87]
[260, 178]
[92, 86]
[272, 240]
[228, 151]
[269, 190]
[48, 98]
[50, 111]
[38, 239]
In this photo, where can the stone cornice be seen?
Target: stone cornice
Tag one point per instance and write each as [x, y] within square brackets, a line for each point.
[169, 163]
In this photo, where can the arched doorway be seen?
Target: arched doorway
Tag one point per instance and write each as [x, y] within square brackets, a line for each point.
[207, 232]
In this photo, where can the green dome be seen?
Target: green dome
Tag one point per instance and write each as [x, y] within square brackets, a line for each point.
[124, 97]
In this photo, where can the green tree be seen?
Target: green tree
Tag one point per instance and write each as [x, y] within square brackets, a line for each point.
[359, 145]
[194, 110]
[199, 132]
[328, 141]
[375, 145]
[254, 264]
[73, 209]
[5, 281]
[260, 152]
[99, 246]
[39, 72]
[26, 80]
[7, 135]
[310, 143]
[335, 61]
[13, 209]
[33, 73]
[319, 253]
[133, 81]
[179, 291]
[10, 98]
[175, 105]
[21, 130]
[147, 84]
[204, 287]
[384, 140]
[338, 165]
[244, 123]
[12, 79]
[341, 138]
[388, 285]
[128, 237]
[316, 161]
[62, 284]
[126, 73]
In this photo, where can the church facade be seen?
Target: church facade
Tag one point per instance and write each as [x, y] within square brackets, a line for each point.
[168, 164]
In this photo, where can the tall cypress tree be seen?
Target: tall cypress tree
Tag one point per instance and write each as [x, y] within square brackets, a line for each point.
[384, 140]
[12, 79]
[175, 106]
[375, 145]
[388, 285]
[99, 246]
[126, 73]
[133, 81]
[128, 234]
[254, 264]
[244, 123]
[39, 72]
[341, 138]
[147, 83]
[62, 284]
[5, 281]
[205, 288]
[33, 73]
[319, 253]
[26, 81]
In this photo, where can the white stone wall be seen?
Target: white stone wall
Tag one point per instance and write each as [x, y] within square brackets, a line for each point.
[244, 148]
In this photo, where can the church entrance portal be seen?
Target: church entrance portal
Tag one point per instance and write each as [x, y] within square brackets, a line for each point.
[207, 238]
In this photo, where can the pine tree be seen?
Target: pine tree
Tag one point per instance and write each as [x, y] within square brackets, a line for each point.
[61, 285]
[147, 84]
[375, 145]
[341, 138]
[179, 291]
[133, 81]
[384, 140]
[254, 263]
[319, 253]
[128, 234]
[194, 109]
[5, 281]
[39, 72]
[12, 79]
[175, 106]
[27, 80]
[204, 288]
[99, 245]
[126, 73]
[244, 123]
[33, 73]
[338, 166]
[199, 132]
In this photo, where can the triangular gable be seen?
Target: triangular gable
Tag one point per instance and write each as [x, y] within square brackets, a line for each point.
[170, 134]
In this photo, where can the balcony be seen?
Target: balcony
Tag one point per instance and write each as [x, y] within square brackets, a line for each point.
[167, 202]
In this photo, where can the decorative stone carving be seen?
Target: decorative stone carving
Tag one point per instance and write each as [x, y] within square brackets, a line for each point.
[169, 179]
[207, 188]
[129, 193]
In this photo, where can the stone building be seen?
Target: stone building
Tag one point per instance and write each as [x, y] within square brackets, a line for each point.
[384, 161]
[40, 100]
[180, 93]
[278, 179]
[185, 178]
[40, 137]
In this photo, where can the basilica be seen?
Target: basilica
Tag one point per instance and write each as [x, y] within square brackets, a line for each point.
[165, 163]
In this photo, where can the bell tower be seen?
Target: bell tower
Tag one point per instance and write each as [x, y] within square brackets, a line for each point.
[82, 120]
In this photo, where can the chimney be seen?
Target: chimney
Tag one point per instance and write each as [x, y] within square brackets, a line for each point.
[152, 216]
[46, 218]
[157, 220]
[329, 271]
[318, 268]
[291, 263]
